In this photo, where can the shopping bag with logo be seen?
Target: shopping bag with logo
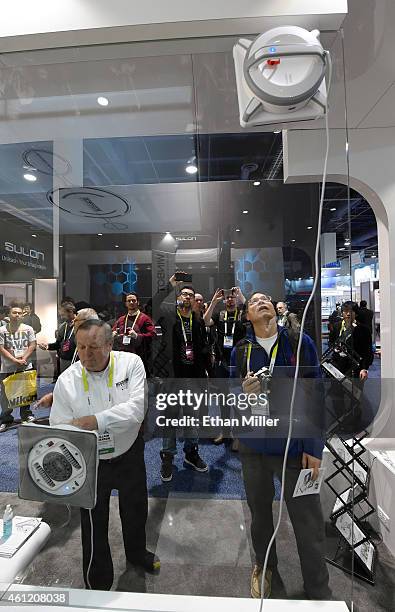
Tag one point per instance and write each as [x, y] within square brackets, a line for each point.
[21, 388]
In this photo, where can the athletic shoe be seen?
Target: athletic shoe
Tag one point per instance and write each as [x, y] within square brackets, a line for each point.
[256, 579]
[29, 419]
[3, 427]
[148, 561]
[166, 470]
[193, 459]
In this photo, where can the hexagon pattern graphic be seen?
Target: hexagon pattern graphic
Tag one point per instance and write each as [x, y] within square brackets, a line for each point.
[261, 270]
[120, 278]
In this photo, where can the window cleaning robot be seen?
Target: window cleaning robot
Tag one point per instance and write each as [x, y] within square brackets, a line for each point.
[280, 76]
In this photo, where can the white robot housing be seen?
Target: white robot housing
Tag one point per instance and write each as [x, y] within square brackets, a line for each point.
[280, 77]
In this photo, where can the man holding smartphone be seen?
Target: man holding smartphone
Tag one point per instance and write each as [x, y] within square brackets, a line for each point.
[188, 359]
[228, 329]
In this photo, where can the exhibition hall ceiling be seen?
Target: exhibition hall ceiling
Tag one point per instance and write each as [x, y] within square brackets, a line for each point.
[166, 110]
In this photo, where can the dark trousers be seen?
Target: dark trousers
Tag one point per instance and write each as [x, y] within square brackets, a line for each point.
[127, 474]
[305, 514]
[6, 416]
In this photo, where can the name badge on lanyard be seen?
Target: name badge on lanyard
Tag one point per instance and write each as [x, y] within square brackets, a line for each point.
[127, 338]
[189, 351]
[106, 444]
[262, 407]
[228, 341]
[228, 338]
[66, 344]
[188, 345]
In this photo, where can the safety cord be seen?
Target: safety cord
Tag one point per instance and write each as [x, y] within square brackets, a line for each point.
[91, 559]
[309, 301]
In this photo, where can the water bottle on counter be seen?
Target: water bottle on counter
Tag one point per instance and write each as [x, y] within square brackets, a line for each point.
[7, 521]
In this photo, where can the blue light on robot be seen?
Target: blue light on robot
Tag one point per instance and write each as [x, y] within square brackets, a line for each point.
[272, 49]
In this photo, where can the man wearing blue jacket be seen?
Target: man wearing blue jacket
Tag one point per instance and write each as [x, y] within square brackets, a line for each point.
[262, 456]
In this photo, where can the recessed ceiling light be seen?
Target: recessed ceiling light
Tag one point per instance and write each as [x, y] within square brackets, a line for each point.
[116, 246]
[28, 176]
[61, 246]
[167, 233]
[238, 230]
[293, 240]
[100, 234]
[309, 227]
[333, 209]
[245, 212]
[276, 131]
[102, 101]
[256, 183]
[233, 243]
[34, 235]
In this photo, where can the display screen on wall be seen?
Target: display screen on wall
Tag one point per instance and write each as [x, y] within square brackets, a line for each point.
[23, 256]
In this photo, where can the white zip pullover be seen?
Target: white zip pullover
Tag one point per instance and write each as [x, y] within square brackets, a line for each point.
[119, 410]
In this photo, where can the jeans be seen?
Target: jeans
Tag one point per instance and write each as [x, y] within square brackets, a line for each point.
[304, 512]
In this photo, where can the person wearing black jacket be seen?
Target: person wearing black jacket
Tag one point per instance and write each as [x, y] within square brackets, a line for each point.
[30, 318]
[64, 343]
[189, 357]
[365, 315]
[356, 338]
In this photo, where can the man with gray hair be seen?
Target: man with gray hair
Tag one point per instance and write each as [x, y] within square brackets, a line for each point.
[105, 392]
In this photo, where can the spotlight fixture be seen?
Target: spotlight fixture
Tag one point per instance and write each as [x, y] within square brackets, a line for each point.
[309, 227]
[238, 230]
[102, 101]
[293, 240]
[276, 131]
[245, 212]
[191, 167]
[100, 234]
[116, 246]
[342, 249]
[61, 246]
[34, 235]
[333, 209]
[256, 183]
[29, 176]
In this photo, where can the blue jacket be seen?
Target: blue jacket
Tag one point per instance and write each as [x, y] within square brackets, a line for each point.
[284, 368]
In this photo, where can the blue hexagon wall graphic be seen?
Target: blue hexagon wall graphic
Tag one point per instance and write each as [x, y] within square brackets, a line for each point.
[112, 281]
[261, 270]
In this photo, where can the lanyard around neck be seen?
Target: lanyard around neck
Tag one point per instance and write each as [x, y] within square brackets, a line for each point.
[272, 359]
[234, 323]
[183, 327]
[134, 322]
[65, 332]
[110, 381]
